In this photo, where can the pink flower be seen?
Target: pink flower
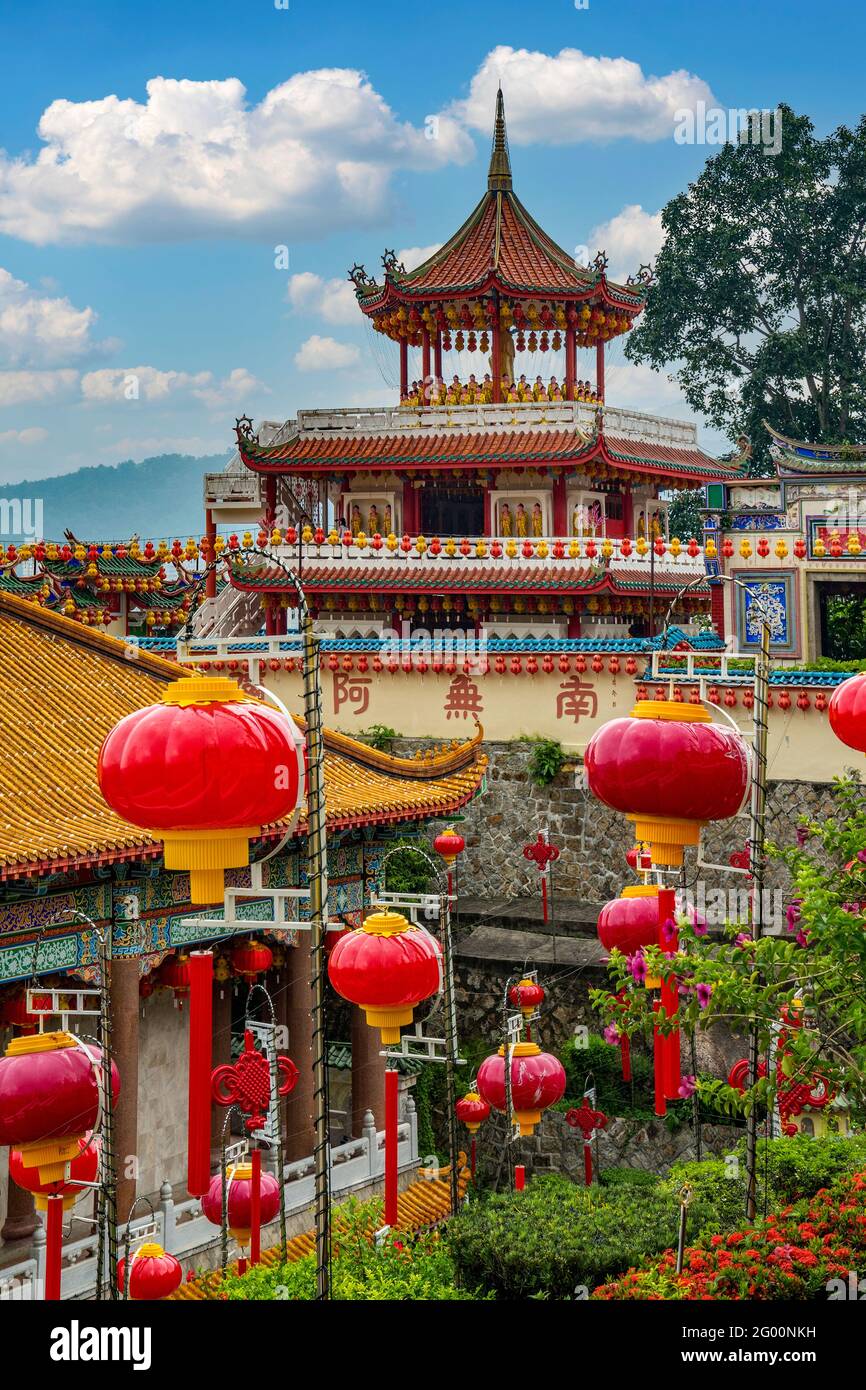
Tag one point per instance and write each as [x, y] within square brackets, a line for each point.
[803, 833]
[612, 1035]
[704, 993]
[792, 916]
[688, 1086]
[637, 966]
[743, 940]
[669, 931]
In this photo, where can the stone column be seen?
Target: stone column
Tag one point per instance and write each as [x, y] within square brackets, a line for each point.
[21, 1219]
[368, 1073]
[222, 1053]
[297, 1012]
[125, 1006]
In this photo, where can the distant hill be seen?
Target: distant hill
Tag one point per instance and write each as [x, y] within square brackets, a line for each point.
[157, 497]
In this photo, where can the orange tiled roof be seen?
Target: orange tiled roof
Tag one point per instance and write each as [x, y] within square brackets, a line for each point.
[63, 687]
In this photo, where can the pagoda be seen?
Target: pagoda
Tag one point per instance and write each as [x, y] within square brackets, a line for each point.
[491, 501]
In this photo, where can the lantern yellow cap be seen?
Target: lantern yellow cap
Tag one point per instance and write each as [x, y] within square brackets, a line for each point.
[672, 710]
[640, 890]
[40, 1042]
[148, 1250]
[386, 924]
[203, 690]
[522, 1049]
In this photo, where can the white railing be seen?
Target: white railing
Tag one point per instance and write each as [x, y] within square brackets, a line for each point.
[183, 1231]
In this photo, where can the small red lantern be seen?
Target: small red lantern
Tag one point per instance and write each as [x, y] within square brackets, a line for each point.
[15, 1014]
[537, 1081]
[472, 1111]
[50, 1099]
[847, 712]
[153, 1274]
[204, 770]
[251, 959]
[386, 967]
[239, 1181]
[82, 1169]
[669, 769]
[448, 845]
[527, 996]
[174, 975]
[631, 920]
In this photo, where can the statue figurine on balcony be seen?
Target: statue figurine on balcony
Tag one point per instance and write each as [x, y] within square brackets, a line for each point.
[356, 520]
[373, 520]
[537, 520]
[506, 524]
[386, 520]
[522, 521]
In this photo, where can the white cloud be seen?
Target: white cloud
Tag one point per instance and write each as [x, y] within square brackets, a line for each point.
[153, 384]
[319, 354]
[632, 238]
[567, 97]
[195, 159]
[413, 256]
[332, 300]
[35, 434]
[22, 388]
[40, 330]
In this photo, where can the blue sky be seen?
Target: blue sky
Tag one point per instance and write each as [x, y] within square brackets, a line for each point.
[140, 305]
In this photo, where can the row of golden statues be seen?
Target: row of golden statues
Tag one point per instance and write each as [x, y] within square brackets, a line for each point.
[474, 392]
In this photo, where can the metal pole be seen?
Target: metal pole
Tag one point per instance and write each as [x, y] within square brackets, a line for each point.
[757, 835]
[450, 1041]
[109, 1173]
[318, 876]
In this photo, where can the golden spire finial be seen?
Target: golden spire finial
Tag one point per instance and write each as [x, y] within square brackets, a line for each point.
[499, 173]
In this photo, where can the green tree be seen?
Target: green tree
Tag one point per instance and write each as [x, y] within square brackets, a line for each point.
[759, 304]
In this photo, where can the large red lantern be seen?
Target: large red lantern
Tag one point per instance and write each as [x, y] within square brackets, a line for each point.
[387, 966]
[50, 1099]
[847, 712]
[82, 1170]
[239, 1182]
[153, 1274]
[537, 1081]
[669, 769]
[204, 770]
[251, 959]
[472, 1111]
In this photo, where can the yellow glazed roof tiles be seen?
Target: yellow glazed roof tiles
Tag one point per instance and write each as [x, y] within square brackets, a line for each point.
[63, 687]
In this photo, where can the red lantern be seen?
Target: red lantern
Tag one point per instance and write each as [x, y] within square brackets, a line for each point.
[239, 1181]
[631, 920]
[82, 1169]
[251, 959]
[15, 1014]
[386, 967]
[847, 712]
[669, 769]
[537, 1081]
[448, 845]
[50, 1099]
[174, 975]
[204, 770]
[472, 1111]
[527, 996]
[153, 1274]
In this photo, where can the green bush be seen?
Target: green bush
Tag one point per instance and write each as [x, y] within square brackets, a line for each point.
[627, 1177]
[546, 761]
[378, 736]
[718, 1194]
[407, 872]
[552, 1238]
[800, 1166]
[613, 1095]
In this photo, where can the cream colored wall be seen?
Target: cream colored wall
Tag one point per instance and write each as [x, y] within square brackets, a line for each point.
[163, 1075]
[802, 746]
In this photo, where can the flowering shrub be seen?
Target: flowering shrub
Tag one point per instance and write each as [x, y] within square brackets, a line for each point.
[791, 1255]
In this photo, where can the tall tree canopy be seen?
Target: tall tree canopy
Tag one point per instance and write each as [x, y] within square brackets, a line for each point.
[759, 304]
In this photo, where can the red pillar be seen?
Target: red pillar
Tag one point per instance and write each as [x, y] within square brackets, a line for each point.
[404, 369]
[560, 510]
[200, 1064]
[717, 607]
[570, 367]
[392, 1092]
[270, 503]
[519, 1177]
[437, 356]
[210, 530]
[54, 1248]
[425, 362]
[659, 1065]
[496, 353]
[670, 998]
[256, 1207]
[599, 369]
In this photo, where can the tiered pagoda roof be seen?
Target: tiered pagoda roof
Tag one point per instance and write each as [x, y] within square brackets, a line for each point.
[796, 457]
[499, 248]
[63, 687]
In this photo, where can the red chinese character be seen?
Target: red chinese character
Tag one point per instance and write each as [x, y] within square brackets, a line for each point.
[464, 698]
[577, 698]
[353, 689]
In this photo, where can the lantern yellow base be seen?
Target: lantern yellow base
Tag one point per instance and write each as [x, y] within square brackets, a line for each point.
[206, 855]
[667, 837]
[389, 1021]
[50, 1156]
[527, 1119]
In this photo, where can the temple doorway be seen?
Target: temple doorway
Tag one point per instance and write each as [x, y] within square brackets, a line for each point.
[452, 510]
[842, 618]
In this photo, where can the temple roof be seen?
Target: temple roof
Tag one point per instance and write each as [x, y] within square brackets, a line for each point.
[793, 456]
[430, 450]
[499, 245]
[63, 687]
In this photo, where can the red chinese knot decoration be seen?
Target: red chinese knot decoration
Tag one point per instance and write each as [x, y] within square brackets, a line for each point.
[247, 1083]
[541, 852]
